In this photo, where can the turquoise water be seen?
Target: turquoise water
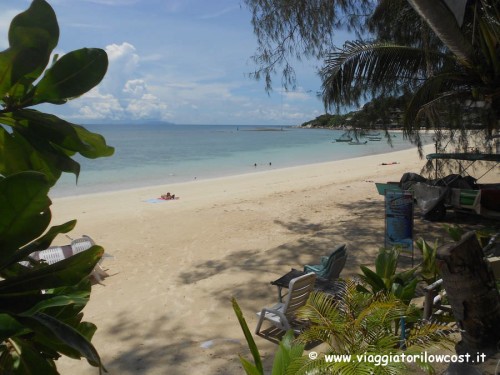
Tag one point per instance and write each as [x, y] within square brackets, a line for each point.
[147, 155]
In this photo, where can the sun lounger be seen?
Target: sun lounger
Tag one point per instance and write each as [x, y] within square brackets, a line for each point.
[57, 253]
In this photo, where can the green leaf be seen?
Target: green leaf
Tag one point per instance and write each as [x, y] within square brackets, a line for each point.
[70, 337]
[408, 291]
[249, 367]
[33, 35]
[66, 272]
[9, 327]
[70, 137]
[56, 301]
[44, 143]
[386, 263]
[286, 353]
[25, 210]
[29, 361]
[454, 231]
[71, 76]
[248, 336]
[41, 243]
[374, 280]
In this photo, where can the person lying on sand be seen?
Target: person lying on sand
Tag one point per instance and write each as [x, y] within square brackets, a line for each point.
[168, 196]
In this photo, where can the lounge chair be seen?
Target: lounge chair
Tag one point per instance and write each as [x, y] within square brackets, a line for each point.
[330, 266]
[57, 253]
[282, 315]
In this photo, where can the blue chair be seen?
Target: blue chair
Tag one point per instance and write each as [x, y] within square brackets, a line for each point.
[330, 266]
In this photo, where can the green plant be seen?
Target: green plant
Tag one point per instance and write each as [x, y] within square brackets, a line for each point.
[287, 352]
[41, 305]
[385, 279]
[361, 327]
[428, 268]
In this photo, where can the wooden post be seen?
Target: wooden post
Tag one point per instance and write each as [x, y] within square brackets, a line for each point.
[472, 294]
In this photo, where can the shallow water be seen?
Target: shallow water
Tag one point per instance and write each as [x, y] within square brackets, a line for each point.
[147, 155]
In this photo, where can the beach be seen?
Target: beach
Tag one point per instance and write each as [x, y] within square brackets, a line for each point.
[166, 306]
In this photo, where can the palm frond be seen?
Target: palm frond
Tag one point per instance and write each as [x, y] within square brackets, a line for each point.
[361, 66]
[442, 88]
[442, 21]
[424, 333]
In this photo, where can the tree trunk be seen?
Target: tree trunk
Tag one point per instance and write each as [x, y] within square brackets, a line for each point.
[471, 290]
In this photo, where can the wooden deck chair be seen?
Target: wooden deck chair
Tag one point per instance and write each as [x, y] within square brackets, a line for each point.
[330, 266]
[282, 315]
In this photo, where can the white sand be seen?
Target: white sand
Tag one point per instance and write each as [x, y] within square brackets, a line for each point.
[166, 308]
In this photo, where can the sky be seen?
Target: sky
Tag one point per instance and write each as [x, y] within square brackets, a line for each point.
[179, 61]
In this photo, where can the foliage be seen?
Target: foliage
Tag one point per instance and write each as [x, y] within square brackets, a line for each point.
[287, 352]
[454, 85]
[41, 305]
[363, 324]
[286, 31]
[385, 279]
[428, 268]
[327, 121]
[446, 67]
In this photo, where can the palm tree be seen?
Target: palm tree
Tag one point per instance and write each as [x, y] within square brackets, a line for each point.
[459, 76]
[365, 327]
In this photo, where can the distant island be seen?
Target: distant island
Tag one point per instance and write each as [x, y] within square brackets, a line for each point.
[377, 114]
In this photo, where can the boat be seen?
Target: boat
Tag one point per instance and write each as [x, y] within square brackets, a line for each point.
[344, 138]
[358, 143]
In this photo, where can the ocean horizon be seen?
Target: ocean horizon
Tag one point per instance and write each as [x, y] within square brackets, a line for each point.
[149, 155]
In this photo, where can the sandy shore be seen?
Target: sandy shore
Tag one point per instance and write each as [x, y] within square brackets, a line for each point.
[166, 307]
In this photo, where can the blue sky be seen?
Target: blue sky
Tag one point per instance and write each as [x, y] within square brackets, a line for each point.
[182, 61]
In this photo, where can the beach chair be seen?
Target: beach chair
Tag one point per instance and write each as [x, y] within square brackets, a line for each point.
[57, 253]
[330, 266]
[282, 315]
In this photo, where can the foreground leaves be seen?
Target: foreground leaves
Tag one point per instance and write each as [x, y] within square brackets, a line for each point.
[41, 305]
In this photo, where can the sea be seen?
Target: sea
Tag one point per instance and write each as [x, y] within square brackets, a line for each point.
[148, 155]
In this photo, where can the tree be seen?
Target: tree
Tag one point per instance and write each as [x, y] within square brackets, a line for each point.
[455, 86]
[41, 305]
[288, 30]
[449, 69]
[365, 327]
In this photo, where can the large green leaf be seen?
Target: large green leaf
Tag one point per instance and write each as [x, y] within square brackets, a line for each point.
[9, 327]
[250, 368]
[66, 272]
[25, 210]
[41, 243]
[286, 353]
[33, 35]
[375, 281]
[21, 155]
[386, 263]
[71, 76]
[14, 156]
[44, 143]
[70, 337]
[28, 360]
[70, 137]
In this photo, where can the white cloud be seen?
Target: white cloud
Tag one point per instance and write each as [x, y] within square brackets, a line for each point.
[135, 87]
[297, 95]
[97, 106]
[122, 56]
